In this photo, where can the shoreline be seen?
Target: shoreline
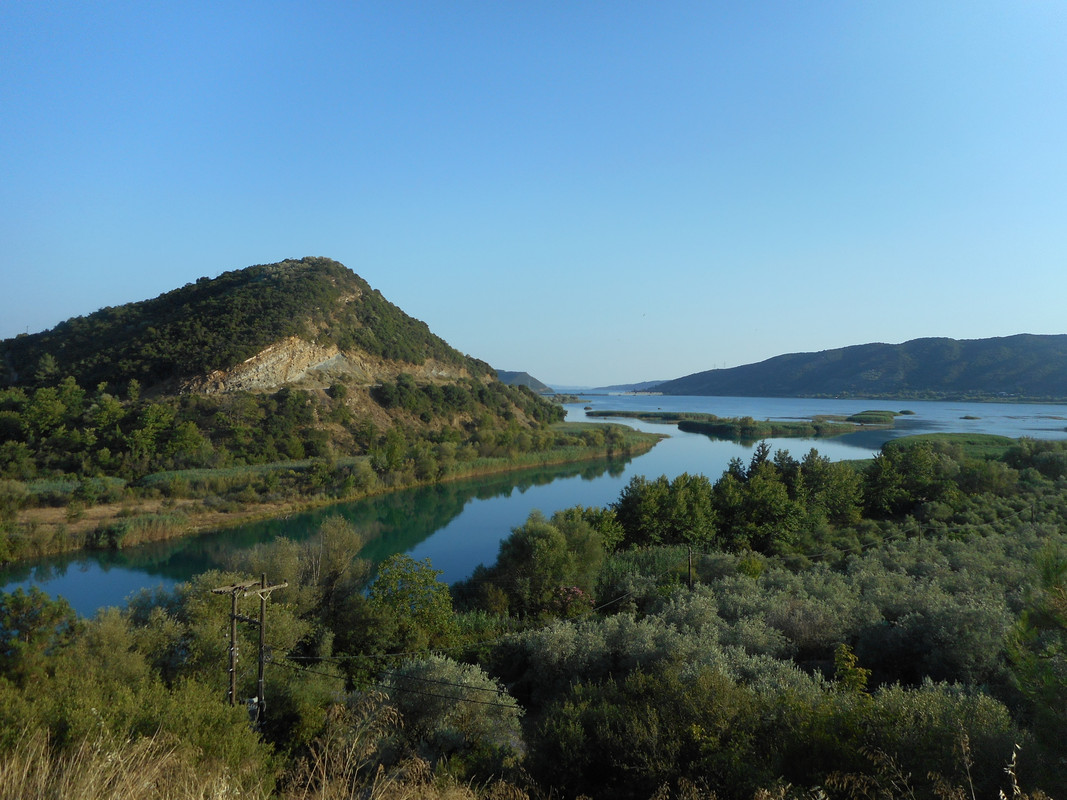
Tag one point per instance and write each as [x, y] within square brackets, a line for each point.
[158, 519]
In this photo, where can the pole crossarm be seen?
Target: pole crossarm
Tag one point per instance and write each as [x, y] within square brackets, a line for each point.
[235, 588]
[264, 591]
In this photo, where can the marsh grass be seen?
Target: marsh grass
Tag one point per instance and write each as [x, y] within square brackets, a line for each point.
[873, 417]
[135, 530]
[985, 446]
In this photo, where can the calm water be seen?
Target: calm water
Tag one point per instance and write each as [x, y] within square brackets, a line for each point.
[459, 525]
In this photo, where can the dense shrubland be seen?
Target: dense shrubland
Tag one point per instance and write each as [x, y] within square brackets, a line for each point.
[790, 629]
[66, 432]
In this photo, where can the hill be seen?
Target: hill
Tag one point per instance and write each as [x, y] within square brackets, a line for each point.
[1021, 367]
[620, 388]
[256, 328]
[522, 379]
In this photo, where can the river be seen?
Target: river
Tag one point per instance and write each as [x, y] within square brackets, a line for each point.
[460, 524]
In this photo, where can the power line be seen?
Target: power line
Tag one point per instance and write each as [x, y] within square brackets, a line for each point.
[410, 690]
[394, 674]
[445, 696]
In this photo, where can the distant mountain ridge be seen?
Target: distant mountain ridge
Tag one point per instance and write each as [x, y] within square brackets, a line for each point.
[522, 379]
[642, 386]
[1024, 366]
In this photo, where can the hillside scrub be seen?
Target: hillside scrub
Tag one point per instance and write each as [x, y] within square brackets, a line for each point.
[879, 649]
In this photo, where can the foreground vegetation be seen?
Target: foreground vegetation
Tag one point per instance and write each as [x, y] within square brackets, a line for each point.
[795, 628]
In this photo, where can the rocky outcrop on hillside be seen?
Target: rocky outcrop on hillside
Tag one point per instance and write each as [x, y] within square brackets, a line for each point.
[302, 364]
[289, 361]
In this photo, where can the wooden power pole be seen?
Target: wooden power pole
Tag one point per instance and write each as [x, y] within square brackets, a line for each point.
[244, 589]
[264, 592]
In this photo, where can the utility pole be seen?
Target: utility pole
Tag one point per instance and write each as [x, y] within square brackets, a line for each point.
[244, 589]
[264, 592]
[233, 590]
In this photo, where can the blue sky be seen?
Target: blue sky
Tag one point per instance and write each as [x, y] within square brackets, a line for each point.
[593, 192]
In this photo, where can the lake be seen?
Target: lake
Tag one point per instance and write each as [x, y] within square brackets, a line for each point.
[460, 524]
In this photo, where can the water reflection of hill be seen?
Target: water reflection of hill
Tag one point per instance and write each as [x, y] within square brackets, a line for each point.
[404, 524]
[902, 426]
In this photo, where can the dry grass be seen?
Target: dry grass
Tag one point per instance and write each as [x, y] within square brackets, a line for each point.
[153, 768]
[51, 519]
[144, 769]
[890, 782]
[342, 766]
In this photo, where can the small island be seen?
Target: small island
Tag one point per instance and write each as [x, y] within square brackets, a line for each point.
[747, 429]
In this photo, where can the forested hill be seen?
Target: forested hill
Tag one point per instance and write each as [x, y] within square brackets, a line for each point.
[307, 311]
[1015, 367]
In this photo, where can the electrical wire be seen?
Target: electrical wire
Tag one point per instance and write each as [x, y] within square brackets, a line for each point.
[410, 690]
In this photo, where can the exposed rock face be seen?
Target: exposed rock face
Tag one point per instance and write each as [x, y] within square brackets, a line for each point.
[296, 362]
[286, 362]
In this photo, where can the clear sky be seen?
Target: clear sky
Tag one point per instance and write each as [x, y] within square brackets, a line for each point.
[593, 192]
